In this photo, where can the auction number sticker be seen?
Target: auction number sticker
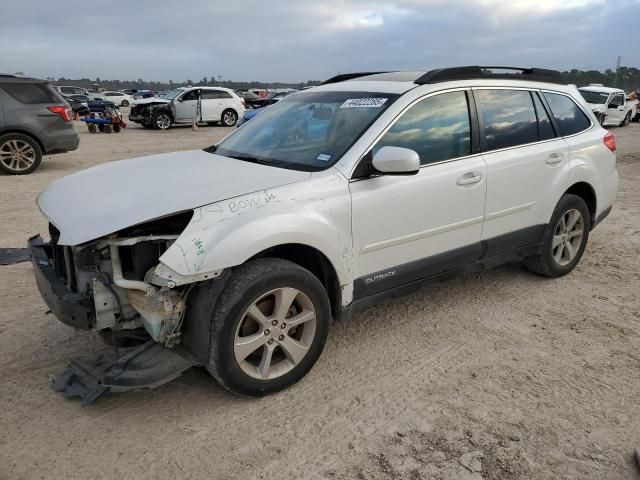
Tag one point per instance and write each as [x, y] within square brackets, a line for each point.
[363, 103]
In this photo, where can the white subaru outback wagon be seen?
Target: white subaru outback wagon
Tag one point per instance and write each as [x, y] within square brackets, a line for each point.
[237, 257]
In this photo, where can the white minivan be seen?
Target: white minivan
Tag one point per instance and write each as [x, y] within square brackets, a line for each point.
[186, 104]
[237, 257]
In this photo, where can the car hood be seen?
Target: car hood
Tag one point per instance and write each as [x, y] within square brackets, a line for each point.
[104, 199]
[143, 101]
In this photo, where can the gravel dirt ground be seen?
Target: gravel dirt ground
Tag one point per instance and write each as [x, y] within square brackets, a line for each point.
[499, 375]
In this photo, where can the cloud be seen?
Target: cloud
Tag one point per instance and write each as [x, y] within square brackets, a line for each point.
[298, 41]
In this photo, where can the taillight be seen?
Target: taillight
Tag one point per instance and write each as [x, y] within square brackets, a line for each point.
[244, 104]
[610, 141]
[64, 112]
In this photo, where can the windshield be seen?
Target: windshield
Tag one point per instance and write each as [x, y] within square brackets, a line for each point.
[594, 97]
[170, 95]
[307, 131]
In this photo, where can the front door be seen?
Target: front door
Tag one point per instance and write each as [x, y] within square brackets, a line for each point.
[410, 227]
[186, 106]
[615, 109]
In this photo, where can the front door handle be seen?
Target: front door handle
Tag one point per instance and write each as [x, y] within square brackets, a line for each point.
[554, 158]
[469, 178]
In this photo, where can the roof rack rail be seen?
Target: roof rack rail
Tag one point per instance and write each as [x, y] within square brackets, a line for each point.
[477, 72]
[348, 76]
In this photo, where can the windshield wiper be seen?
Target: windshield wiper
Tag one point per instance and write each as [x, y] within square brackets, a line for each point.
[261, 161]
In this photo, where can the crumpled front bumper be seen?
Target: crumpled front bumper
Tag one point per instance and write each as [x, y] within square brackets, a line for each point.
[69, 307]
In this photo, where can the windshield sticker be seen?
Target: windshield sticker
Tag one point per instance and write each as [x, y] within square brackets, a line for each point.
[363, 103]
[324, 157]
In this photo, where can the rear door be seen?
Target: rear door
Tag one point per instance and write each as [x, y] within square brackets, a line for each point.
[186, 106]
[410, 227]
[527, 166]
[213, 103]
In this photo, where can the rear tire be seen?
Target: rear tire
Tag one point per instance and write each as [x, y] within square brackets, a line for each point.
[564, 238]
[19, 154]
[229, 118]
[252, 349]
[124, 103]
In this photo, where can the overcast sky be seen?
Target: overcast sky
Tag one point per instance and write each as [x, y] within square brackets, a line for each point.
[299, 40]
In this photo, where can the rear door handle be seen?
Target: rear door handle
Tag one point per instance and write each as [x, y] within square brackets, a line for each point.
[469, 178]
[554, 158]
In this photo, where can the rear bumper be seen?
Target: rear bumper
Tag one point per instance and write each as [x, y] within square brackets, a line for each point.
[62, 143]
[69, 307]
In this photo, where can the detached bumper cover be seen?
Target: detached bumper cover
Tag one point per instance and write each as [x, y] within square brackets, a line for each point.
[146, 366]
[69, 307]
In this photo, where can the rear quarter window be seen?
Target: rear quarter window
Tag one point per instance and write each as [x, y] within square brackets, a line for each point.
[30, 93]
[569, 117]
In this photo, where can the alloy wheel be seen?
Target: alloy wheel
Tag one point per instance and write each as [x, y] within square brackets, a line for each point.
[17, 155]
[229, 118]
[163, 121]
[275, 333]
[567, 237]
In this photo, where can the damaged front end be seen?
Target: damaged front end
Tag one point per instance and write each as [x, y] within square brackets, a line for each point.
[117, 286]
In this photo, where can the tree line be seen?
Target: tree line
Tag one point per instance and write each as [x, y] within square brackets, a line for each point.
[141, 84]
[627, 78]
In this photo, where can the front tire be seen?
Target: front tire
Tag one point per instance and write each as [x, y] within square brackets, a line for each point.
[564, 239]
[19, 154]
[268, 327]
[162, 121]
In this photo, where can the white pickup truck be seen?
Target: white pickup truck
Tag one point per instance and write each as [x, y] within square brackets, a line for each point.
[609, 105]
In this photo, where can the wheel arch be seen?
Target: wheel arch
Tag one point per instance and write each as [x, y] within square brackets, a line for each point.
[28, 134]
[585, 191]
[313, 260]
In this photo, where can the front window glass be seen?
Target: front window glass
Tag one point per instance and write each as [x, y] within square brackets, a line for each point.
[599, 98]
[307, 131]
[437, 128]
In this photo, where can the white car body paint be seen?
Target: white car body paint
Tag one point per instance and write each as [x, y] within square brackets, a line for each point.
[115, 195]
[118, 97]
[362, 227]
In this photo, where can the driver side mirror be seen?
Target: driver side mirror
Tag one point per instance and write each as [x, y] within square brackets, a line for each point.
[396, 161]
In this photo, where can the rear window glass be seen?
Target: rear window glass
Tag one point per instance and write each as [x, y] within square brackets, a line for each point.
[569, 118]
[30, 93]
[508, 117]
[544, 123]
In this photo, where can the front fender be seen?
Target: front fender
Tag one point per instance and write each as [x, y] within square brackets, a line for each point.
[225, 234]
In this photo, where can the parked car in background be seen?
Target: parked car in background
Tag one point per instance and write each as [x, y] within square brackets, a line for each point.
[609, 104]
[71, 90]
[80, 108]
[186, 104]
[354, 192]
[34, 120]
[94, 104]
[249, 114]
[119, 98]
[138, 94]
[95, 94]
[634, 99]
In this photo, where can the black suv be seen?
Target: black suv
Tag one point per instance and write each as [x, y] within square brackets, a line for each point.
[34, 120]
